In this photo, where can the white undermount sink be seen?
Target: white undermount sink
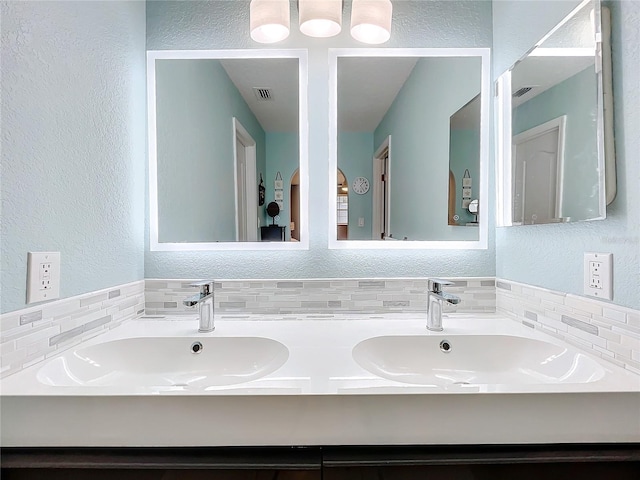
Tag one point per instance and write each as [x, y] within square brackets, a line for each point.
[474, 359]
[167, 361]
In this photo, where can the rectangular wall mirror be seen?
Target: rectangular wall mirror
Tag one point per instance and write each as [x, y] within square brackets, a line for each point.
[228, 164]
[551, 141]
[409, 148]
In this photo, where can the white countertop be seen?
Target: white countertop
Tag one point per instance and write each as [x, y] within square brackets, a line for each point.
[320, 358]
[321, 396]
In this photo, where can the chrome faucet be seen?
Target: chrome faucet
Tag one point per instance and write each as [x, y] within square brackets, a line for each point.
[204, 300]
[435, 301]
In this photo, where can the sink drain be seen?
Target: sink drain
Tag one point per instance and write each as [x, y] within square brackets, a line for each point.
[445, 346]
[196, 347]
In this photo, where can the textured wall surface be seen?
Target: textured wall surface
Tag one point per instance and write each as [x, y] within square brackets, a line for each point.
[206, 25]
[73, 142]
[551, 256]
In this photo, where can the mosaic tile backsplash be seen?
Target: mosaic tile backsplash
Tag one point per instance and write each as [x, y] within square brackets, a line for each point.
[606, 330]
[238, 298]
[33, 334]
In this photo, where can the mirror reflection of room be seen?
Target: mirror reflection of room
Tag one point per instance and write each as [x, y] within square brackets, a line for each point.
[227, 147]
[556, 176]
[464, 164]
[398, 144]
[342, 202]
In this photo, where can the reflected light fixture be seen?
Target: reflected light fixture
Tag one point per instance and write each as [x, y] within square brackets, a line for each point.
[269, 20]
[371, 21]
[320, 18]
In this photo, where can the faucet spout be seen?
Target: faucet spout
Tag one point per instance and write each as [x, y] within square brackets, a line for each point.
[204, 301]
[436, 298]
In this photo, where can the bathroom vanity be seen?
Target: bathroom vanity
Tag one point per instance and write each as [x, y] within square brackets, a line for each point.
[331, 377]
[320, 385]
[323, 382]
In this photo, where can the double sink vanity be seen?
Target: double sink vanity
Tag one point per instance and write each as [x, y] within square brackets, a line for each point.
[350, 373]
[165, 356]
[338, 380]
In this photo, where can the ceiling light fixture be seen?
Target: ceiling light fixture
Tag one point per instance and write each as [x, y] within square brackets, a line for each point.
[269, 20]
[320, 18]
[371, 21]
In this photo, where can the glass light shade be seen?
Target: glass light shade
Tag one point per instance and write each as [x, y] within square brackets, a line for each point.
[269, 20]
[371, 21]
[320, 18]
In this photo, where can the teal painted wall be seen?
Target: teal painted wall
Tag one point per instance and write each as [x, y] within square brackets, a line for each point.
[552, 256]
[73, 143]
[464, 154]
[355, 159]
[196, 102]
[575, 98]
[418, 122]
[283, 155]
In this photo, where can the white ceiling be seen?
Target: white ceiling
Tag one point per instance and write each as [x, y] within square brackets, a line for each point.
[366, 89]
[544, 73]
[280, 76]
[566, 52]
[367, 86]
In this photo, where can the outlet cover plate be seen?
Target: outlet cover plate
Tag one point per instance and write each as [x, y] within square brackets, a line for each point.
[598, 275]
[43, 276]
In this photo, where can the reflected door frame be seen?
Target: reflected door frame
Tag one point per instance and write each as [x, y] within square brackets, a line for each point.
[294, 200]
[343, 228]
[556, 177]
[381, 190]
[246, 187]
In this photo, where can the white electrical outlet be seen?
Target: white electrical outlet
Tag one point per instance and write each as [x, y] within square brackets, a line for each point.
[598, 275]
[361, 221]
[43, 276]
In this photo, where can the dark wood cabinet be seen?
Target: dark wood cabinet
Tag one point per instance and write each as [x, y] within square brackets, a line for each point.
[473, 462]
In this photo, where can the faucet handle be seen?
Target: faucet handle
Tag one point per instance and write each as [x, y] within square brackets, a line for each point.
[206, 286]
[435, 284]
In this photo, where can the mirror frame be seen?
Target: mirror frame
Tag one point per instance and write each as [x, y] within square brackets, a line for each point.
[483, 231]
[605, 144]
[303, 135]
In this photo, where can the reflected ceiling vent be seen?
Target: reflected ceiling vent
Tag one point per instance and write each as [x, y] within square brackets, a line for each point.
[522, 91]
[263, 94]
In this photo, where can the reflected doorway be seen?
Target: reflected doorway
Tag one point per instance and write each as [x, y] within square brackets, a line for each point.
[538, 156]
[246, 184]
[382, 191]
[294, 226]
[342, 203]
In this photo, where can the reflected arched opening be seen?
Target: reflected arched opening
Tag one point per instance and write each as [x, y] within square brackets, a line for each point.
[452, 198]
